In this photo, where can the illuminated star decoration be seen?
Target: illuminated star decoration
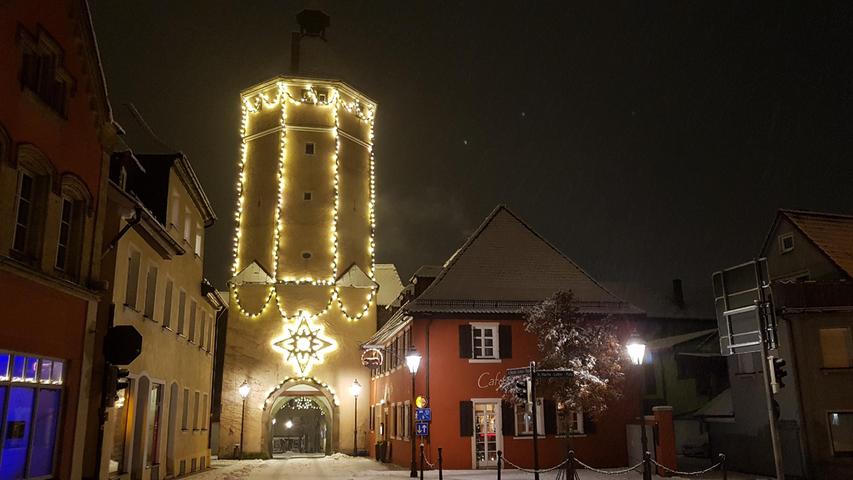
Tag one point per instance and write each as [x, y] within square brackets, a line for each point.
[304, 345]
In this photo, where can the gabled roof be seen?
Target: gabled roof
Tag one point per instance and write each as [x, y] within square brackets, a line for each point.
[389, 283]
[355, 277]
[831, 233]
[252, 273]
[504, 266]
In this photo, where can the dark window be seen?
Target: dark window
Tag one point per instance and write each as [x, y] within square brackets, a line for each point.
[24, 206]
[309, 148]
[306, 196]
[65, 225]
[39, 74]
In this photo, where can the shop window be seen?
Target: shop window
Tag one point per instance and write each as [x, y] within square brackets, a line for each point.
[30, 394]
[835, 346]
[841, 433]
[155, 400]
[524, 418]
[117, 454]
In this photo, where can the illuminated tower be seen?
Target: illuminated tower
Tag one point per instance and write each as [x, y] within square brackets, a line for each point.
[302, 294]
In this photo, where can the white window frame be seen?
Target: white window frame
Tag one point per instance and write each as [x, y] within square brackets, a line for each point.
[197, 244]
[575, 417]
[499, 436]
[785, 236]
[540, 418]
[494, 327]
[69, 255]
[188, 226]
[28, 227]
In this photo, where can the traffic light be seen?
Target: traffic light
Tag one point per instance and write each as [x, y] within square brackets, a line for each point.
[777, 373]
[521, 390]
[115, 380]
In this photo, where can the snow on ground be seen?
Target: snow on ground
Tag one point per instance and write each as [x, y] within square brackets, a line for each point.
[341, 466]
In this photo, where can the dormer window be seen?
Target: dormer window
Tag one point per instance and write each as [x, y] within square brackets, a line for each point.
[786, 243]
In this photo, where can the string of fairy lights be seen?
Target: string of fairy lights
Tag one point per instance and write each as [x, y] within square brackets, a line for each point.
[365, 114]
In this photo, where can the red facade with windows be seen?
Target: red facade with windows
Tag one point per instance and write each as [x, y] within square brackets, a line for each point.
[466, 319]
[55, 127]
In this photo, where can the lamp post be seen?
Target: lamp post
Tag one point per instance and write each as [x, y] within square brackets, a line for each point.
[244, 392]
[355, 389]
[637, 351]
[413, 360]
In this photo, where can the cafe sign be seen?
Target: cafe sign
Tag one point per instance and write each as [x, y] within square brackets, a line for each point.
[372, 358]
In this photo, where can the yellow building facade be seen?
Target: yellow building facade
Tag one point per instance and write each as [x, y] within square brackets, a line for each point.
[156, 217]
[302, 298]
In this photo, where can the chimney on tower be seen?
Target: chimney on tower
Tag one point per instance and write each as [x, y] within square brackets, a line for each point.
[312, 23]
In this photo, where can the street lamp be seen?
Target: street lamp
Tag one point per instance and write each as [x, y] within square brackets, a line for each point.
[244, 392]
[413, 360]
[355, 389]
[637, 352]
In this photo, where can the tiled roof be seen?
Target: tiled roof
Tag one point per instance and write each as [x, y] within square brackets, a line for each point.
[505, 266]
[832, 233]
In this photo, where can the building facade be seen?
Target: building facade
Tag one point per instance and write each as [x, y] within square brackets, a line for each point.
[56, 132]
[157, 213]
[466, 319]
[809, 261]
[304, 288]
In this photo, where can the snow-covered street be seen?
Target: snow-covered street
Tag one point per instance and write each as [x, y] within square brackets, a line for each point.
[341, 466]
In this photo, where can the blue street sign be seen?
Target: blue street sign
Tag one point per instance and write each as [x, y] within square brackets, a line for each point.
[423, 415]
[422, 429]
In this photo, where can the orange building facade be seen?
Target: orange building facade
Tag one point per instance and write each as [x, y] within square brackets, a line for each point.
[55, 131]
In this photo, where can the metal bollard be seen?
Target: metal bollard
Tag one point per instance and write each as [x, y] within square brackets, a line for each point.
[570, 466]
[500, 463]
[723, 470]
[440, 471]
[422, 461]
[647, 465]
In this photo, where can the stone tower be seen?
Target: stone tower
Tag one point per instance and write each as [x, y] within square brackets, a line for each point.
[302, 295]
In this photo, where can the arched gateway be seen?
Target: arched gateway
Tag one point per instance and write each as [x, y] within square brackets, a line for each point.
[300, 417]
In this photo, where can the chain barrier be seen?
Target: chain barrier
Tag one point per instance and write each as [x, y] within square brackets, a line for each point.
[541, 470]
[610, 472]
[691, 474]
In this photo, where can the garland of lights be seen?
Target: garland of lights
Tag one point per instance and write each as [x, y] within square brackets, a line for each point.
[334, 101]
[303, 379]
[302, 403]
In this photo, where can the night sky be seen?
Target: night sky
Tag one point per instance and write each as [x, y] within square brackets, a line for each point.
[647, 140]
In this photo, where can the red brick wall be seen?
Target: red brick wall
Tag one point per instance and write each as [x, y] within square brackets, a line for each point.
[453, 379]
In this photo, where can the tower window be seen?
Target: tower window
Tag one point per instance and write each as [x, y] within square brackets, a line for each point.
[306, 255]
[309, 148]
[306, 196]
[321, 97]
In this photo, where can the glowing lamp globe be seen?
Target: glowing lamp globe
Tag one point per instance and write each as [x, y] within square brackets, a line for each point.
[244, 390]
[288, 424]
[355, 389]
[636, 349]
[413, 360]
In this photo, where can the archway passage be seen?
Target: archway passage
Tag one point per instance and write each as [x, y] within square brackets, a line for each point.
[300, 419]
[300, 427]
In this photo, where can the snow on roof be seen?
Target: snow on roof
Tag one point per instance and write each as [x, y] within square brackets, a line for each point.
[506, 262]
[389, 283]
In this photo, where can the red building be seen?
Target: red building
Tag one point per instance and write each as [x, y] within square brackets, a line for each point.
[55, 130]
[466, 320]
